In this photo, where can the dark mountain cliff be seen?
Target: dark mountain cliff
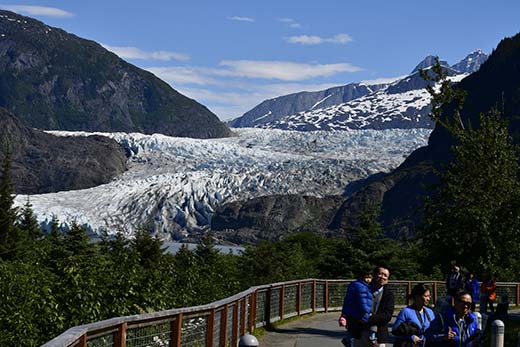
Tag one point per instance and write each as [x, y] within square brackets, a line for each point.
[44, 163]
[273, 217]
[402, 192]
[54, 80]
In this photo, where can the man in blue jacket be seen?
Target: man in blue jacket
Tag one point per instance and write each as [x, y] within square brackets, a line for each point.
[458, 325]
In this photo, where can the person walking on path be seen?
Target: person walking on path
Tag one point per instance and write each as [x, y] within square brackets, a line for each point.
[472, 286]
[454, 283]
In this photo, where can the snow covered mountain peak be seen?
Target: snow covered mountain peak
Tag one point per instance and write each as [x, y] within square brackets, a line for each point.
[358, 105]
[427, 62]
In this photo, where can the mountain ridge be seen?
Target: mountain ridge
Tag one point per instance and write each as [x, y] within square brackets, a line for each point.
[57, 81]
[374, 107]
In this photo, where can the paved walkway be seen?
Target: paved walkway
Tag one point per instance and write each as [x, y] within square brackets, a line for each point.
[319, 330]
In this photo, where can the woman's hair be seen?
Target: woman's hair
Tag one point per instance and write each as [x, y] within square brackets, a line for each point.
[418, 290]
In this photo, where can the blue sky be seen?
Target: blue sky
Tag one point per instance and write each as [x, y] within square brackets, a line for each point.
[231, 55]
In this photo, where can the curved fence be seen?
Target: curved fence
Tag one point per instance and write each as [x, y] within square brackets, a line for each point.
[221, 323]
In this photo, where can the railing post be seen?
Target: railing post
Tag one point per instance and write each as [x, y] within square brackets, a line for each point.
[434, 291]
[326, 297]
[83, 341]
[243, 317]
[252, 312]
[210, 328]
[234, 328]
[267, 310]
[298, 297]
[282, 297]
[175, 331]
[313, 296]
[119, 336]
[517, 294]
[223, 326]
[408, 292]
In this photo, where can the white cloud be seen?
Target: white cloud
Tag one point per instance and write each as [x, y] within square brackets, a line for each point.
[232, 104]
[136, 53]
[317, 40]
[242, 19]
[282, 70]
[38, 11]
[290, 22]
[177, 75]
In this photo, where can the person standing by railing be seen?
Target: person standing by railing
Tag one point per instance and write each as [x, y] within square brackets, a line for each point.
[382, 310]
[489, 290]
[472, 286]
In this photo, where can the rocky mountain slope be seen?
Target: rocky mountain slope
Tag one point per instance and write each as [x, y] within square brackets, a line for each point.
[402, 191]
[273, 109]
[55, 80]
[404, 103]
[44, 163]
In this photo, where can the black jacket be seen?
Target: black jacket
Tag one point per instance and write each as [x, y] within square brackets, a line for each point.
[383, 315]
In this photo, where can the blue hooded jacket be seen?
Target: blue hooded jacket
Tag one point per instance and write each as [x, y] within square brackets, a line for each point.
[465, 330]
[358, 301]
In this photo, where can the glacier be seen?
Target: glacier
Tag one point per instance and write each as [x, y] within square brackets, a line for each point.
[173, 185]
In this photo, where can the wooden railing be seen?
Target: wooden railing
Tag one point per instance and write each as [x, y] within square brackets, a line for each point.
[221, 323]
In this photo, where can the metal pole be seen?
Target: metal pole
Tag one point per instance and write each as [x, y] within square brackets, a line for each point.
[479, 319]
[497, 333]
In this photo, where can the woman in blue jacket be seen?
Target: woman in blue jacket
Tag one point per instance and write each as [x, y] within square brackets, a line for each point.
[413, 321]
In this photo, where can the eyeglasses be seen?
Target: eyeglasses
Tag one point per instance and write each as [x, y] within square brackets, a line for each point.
[465, 303]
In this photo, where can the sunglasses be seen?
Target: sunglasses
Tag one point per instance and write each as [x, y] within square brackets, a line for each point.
[465, 303]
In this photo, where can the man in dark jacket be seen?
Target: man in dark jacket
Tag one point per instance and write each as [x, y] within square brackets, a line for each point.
[382, 307]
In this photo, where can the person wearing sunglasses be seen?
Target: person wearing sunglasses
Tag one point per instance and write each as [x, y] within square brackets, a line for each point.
[458, 325]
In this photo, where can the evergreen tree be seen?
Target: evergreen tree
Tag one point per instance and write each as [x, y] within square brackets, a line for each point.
[9, 235]
[28, 224]
[474, 215]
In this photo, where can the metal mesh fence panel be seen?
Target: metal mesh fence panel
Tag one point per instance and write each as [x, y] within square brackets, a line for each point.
[337, 292]
[229, 327]
[289, 299]
[400, 291]
[157, 335]
[509, 291]
[319, 300]
[194, 332]
[275, 303]
[102, 341]
[306, 299]
[260, 306]
[216, 328]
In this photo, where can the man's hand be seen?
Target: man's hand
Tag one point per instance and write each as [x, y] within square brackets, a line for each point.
[342, 322]
[450, 335]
